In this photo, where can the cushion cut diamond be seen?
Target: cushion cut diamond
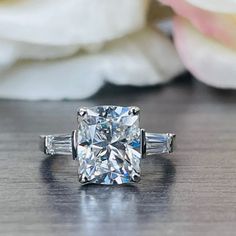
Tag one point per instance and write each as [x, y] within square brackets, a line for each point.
[109, 144]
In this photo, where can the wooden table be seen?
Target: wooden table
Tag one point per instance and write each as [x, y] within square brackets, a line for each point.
[191, 192]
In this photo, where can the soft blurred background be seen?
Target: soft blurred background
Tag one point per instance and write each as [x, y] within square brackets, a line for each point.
[69, 49]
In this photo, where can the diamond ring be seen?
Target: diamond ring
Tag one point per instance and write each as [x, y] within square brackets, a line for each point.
[108, 144]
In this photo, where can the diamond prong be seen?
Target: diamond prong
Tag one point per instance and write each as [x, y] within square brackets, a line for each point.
[83, 179]
[135, 178]
[135, 110]
[82, 112]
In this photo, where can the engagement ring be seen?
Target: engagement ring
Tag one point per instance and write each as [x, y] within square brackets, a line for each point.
[108, 144]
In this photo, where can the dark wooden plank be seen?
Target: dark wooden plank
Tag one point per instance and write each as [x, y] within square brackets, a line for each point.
[192, 192]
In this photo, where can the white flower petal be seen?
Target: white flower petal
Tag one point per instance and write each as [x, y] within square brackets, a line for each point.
[210, 61]
[144, 58]
[12, 51]
[72, 21]
[224, 6]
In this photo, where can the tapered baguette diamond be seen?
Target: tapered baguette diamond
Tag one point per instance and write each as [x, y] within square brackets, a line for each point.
[109, 145]
[57, 144]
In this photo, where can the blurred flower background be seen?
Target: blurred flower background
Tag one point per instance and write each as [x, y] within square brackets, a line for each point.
[205, 37]
[70, 49]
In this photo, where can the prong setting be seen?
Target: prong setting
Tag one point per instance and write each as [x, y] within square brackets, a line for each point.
[82, 179]
[135, 178]
[134, 110]
[82, 112]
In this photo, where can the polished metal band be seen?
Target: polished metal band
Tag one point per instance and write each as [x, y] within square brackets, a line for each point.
[65, 144]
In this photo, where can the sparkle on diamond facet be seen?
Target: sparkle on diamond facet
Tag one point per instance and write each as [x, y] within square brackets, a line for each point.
[109, 145]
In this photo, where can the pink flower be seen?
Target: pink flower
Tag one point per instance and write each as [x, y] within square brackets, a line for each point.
[205, 37]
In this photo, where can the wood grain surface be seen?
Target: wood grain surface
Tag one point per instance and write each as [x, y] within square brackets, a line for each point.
[191, 192]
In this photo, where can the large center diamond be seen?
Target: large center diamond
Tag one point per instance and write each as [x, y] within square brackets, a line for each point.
[109, 145]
